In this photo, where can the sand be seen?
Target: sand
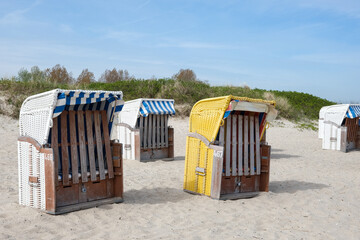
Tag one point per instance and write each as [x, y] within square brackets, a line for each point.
[314, 194]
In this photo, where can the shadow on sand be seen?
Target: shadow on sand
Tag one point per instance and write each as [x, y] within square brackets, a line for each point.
[282, 156]
[276, 150]
[179, 158]
[293, 186]
[276, 155]
[155, 195]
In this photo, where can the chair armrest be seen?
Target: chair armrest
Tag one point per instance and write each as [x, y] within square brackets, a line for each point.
[35, 143]
[205, 141]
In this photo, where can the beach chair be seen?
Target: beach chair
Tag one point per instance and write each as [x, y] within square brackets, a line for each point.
[227, 156]
[66, 160]
[142, 128]
[339, 127]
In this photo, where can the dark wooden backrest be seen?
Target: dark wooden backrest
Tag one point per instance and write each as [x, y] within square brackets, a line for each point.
[153, 131]
[352, 129]
[240, 137]
[81, 144]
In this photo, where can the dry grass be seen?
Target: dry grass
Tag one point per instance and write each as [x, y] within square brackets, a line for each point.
[282, 104]
[183, 110]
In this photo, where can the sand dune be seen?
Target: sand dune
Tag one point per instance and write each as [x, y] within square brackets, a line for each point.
[314, 194]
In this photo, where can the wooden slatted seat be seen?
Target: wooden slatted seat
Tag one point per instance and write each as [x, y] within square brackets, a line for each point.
[85, 149]
[244, 154]
[155, 141]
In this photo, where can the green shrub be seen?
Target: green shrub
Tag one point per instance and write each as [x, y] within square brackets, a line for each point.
[291, 105]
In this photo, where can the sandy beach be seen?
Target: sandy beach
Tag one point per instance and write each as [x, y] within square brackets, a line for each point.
[314, 194]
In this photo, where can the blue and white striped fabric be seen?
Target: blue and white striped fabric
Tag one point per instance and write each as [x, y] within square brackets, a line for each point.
[89, 100]
[353, 111]
[229, 109]
[157, 106]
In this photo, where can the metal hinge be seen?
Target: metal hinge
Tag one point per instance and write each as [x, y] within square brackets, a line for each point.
[200, 171]
[34, 181]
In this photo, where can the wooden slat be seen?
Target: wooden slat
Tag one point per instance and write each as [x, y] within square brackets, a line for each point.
[228, 146]
[55, 147]
[234, 148]
[352, 129]
[153, 131]
[252, 147]
[162, 130]
[166, 131]
[257, 145]
[99, 145]
[246, 145]
[74, 149]
[217, 172]
[158, 131]
[107, 144]
[145, 137]
[64, 149]
[82, 146]
[141, 131]
[240, 145]
[150, 128]
[91, 150]
[221, 137]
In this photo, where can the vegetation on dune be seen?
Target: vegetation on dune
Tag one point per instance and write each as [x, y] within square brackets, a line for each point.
[183, 87]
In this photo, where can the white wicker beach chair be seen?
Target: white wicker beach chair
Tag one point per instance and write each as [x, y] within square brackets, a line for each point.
[339, 127]
[142, 128]
[66, 160]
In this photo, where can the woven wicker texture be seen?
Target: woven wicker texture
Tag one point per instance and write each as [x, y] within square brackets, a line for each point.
[202, 156]
[31, 163]
[207, 114]
[37, 111]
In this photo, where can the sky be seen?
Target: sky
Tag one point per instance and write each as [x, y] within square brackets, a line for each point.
[310, 46]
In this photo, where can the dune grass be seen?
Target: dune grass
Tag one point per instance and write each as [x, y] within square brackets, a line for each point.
[294, 106]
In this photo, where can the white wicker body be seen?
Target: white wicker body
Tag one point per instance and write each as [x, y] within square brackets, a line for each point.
[31, 163]
[34, 121]
[127, 137]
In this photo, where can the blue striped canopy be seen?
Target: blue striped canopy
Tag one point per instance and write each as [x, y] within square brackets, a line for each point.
[353, 111]
[229, 109]
[157, 106]
[89, 100]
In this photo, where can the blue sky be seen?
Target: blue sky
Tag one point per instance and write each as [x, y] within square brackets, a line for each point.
[309, 46]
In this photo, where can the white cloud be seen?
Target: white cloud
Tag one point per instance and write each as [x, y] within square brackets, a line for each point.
[144, 4]
[330, 58]
[123, 35]
[351, 8]
[17, 17]
[198, 45]
[12, 18]
[66, 28]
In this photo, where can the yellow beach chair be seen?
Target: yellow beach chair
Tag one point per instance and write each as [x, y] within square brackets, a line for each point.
[226, 153]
